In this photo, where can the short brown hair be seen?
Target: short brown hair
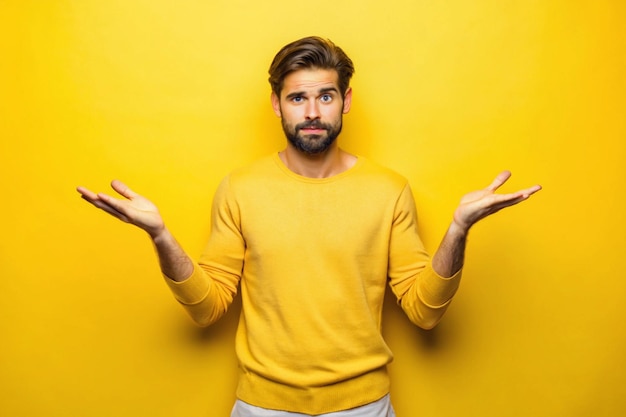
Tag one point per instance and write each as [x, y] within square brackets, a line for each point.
[308, 53]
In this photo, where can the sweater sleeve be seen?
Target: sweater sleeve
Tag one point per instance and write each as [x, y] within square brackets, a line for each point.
[211, 288]
[422, 293]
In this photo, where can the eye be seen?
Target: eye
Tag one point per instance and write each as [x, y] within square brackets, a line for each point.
[326, 98]
[297, 99]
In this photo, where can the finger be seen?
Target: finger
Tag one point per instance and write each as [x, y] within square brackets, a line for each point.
[112, 211]
[103, 205]
[505, 200]
[86, 193]
[89, 196]
[114, 203]
[523, 193]
[499, 180]
[531, 190]
[123, 189]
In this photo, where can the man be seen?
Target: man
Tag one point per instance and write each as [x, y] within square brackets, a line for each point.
[312, 234]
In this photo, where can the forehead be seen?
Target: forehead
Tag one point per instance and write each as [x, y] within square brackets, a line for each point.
[310, 80]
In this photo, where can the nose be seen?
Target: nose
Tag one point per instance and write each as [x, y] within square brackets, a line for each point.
[312, 110]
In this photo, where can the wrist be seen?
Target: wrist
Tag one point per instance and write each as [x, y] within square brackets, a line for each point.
[160, 236]
[458, 230]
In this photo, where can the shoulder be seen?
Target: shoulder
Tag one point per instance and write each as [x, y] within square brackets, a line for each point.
[377, 174]
[260, 167]
[251, 178]
[257, 171]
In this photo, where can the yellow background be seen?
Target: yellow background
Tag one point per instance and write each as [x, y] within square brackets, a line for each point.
[169, 96]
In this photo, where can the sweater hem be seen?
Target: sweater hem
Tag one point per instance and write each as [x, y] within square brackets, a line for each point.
[355, 392]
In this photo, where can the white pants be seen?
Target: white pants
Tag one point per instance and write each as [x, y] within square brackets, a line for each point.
[380, 408]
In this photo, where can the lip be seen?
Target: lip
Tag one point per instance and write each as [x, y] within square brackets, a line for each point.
[313, 130]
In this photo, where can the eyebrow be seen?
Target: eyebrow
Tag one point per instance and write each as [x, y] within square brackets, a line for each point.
[320, 91]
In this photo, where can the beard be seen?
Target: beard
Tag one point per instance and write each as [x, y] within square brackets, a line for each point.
[312, 144]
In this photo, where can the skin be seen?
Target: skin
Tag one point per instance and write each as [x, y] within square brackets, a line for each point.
[308, 96]
[474, 206]
[313, 96]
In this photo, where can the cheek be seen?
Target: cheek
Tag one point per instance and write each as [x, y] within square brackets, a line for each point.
[293, 114]
[333, 113]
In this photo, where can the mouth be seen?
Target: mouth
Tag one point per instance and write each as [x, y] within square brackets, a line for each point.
[313, 131]
[312, 128]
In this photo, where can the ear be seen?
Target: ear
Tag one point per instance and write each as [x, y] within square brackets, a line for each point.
[276, 104]
[347, 100]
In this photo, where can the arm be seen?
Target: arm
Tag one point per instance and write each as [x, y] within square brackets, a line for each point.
[474, 206]
[204, 290]
[141, 212]
[426, 294]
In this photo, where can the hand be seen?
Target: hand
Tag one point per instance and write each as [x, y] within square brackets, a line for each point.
[134, 209]
[477, 205]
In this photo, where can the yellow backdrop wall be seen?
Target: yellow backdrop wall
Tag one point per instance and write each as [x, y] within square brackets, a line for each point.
[170, 96]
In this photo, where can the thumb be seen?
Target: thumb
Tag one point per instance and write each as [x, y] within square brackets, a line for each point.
[123, 189]
[500, 179]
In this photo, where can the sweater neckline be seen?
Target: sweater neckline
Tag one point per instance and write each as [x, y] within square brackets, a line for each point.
[281, 165]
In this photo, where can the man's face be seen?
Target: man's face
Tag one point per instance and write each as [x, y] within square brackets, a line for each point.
[311, 108]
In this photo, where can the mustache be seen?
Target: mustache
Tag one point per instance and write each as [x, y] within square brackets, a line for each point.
[312, 124]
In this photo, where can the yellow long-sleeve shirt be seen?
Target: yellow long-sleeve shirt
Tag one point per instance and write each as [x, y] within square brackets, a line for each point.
[313, 258]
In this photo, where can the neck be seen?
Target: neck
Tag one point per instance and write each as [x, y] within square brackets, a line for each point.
[331, 162]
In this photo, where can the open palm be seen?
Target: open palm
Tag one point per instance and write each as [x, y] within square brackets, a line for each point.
[133, 208]
[477, 205]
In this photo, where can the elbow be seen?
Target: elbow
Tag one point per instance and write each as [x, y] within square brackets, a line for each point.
[202, 321]
[423, 316]
[426, 321]
[203, 317]
[428, 324]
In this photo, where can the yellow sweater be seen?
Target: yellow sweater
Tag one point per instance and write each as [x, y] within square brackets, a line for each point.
[313, 258]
